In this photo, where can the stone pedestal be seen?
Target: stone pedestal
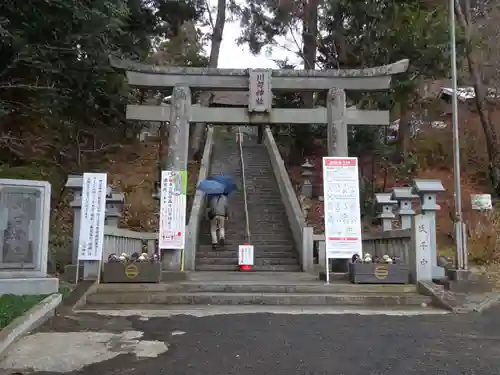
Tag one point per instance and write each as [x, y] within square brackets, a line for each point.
[29, 286]
[24, 237]
[420, 258]
[427, 190]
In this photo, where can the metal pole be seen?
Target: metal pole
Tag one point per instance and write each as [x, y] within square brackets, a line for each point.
[460, 264]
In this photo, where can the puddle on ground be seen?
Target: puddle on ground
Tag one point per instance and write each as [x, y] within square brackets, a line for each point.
[65, 352]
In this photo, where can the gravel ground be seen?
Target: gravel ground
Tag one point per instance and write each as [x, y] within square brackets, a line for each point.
[261, 344]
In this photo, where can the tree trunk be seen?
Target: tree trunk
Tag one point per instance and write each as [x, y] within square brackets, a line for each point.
[205, 97]
[404, 135]
[480, 97]
[309, 34]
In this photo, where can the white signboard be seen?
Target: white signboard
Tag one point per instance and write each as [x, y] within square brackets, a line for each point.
[423, 263]
[342, 207]
[92, 216]
[172, 233]
[481, 202]
[245, 255]
[260, 97]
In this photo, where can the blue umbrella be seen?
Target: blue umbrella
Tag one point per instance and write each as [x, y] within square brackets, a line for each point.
[228, 182]
[211, 187]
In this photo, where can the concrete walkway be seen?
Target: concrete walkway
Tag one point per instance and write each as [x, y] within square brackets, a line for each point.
[262, 343]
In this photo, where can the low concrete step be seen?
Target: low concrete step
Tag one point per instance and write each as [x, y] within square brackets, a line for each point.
[233, 261]
[245, 286]
[281, 268]
[203, 298]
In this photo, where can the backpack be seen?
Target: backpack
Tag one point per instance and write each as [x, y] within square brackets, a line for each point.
[211, 211]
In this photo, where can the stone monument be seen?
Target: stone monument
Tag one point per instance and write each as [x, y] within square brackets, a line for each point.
[24, 237]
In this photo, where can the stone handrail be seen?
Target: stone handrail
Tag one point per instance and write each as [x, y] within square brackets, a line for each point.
[244, 184]
[394, 243]
[198, 206]
[302, 234]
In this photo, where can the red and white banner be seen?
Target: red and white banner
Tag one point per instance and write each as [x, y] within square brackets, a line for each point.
[172, 233]
[342, 207]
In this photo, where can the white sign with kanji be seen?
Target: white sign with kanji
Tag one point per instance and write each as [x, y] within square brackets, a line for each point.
[481, 202]
[342, 207]
[422, 264]
[172, 233]
[93, 213]
[260, 95]
[245, 255]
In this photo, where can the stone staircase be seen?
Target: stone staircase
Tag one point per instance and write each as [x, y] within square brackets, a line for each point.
[225, 161]
[269, 229]
[270, 234]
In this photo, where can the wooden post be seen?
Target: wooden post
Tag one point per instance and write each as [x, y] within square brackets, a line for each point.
[336, 122]
[176, 156]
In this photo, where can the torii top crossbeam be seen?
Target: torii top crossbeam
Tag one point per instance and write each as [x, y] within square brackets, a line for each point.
[161, 77]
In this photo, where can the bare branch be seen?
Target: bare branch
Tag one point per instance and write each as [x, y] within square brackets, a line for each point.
[210, 18]
[7, 86]
[102, 148]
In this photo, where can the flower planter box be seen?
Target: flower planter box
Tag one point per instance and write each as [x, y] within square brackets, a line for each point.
[378, 273]
[131, 272]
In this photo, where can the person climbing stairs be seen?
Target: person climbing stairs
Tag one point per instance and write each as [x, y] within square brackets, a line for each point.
[270, 234]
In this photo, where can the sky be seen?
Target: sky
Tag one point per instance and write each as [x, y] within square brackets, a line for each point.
[239, 57]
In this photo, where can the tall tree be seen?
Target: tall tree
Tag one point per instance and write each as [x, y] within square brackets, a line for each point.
[217, 29]
[484, 11]
[55, 79]
[365, 33]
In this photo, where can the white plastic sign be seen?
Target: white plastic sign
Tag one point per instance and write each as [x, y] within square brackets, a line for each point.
[481, 202]
[92, 216]
[245, 255]
[342, 207]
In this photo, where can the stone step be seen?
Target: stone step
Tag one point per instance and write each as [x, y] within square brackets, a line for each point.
[283, 248]
[223, 298]
[263, 200]
[255, 240]
[256, 192]
[255, 286]
[258, 240]
[268, 268]
[270, 228]
[233, 261]
[258, 253]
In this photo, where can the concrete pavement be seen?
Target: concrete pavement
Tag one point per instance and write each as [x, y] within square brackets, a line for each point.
[262, 343]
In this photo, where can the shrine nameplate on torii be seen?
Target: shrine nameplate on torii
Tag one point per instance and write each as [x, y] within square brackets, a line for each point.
[260, 85]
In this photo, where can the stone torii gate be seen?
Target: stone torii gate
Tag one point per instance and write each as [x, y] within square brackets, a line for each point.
[260, 84]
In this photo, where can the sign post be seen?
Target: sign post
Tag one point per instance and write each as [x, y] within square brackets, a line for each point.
[92, 217]
[245, 257]
[172, 233]
[342, 209]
